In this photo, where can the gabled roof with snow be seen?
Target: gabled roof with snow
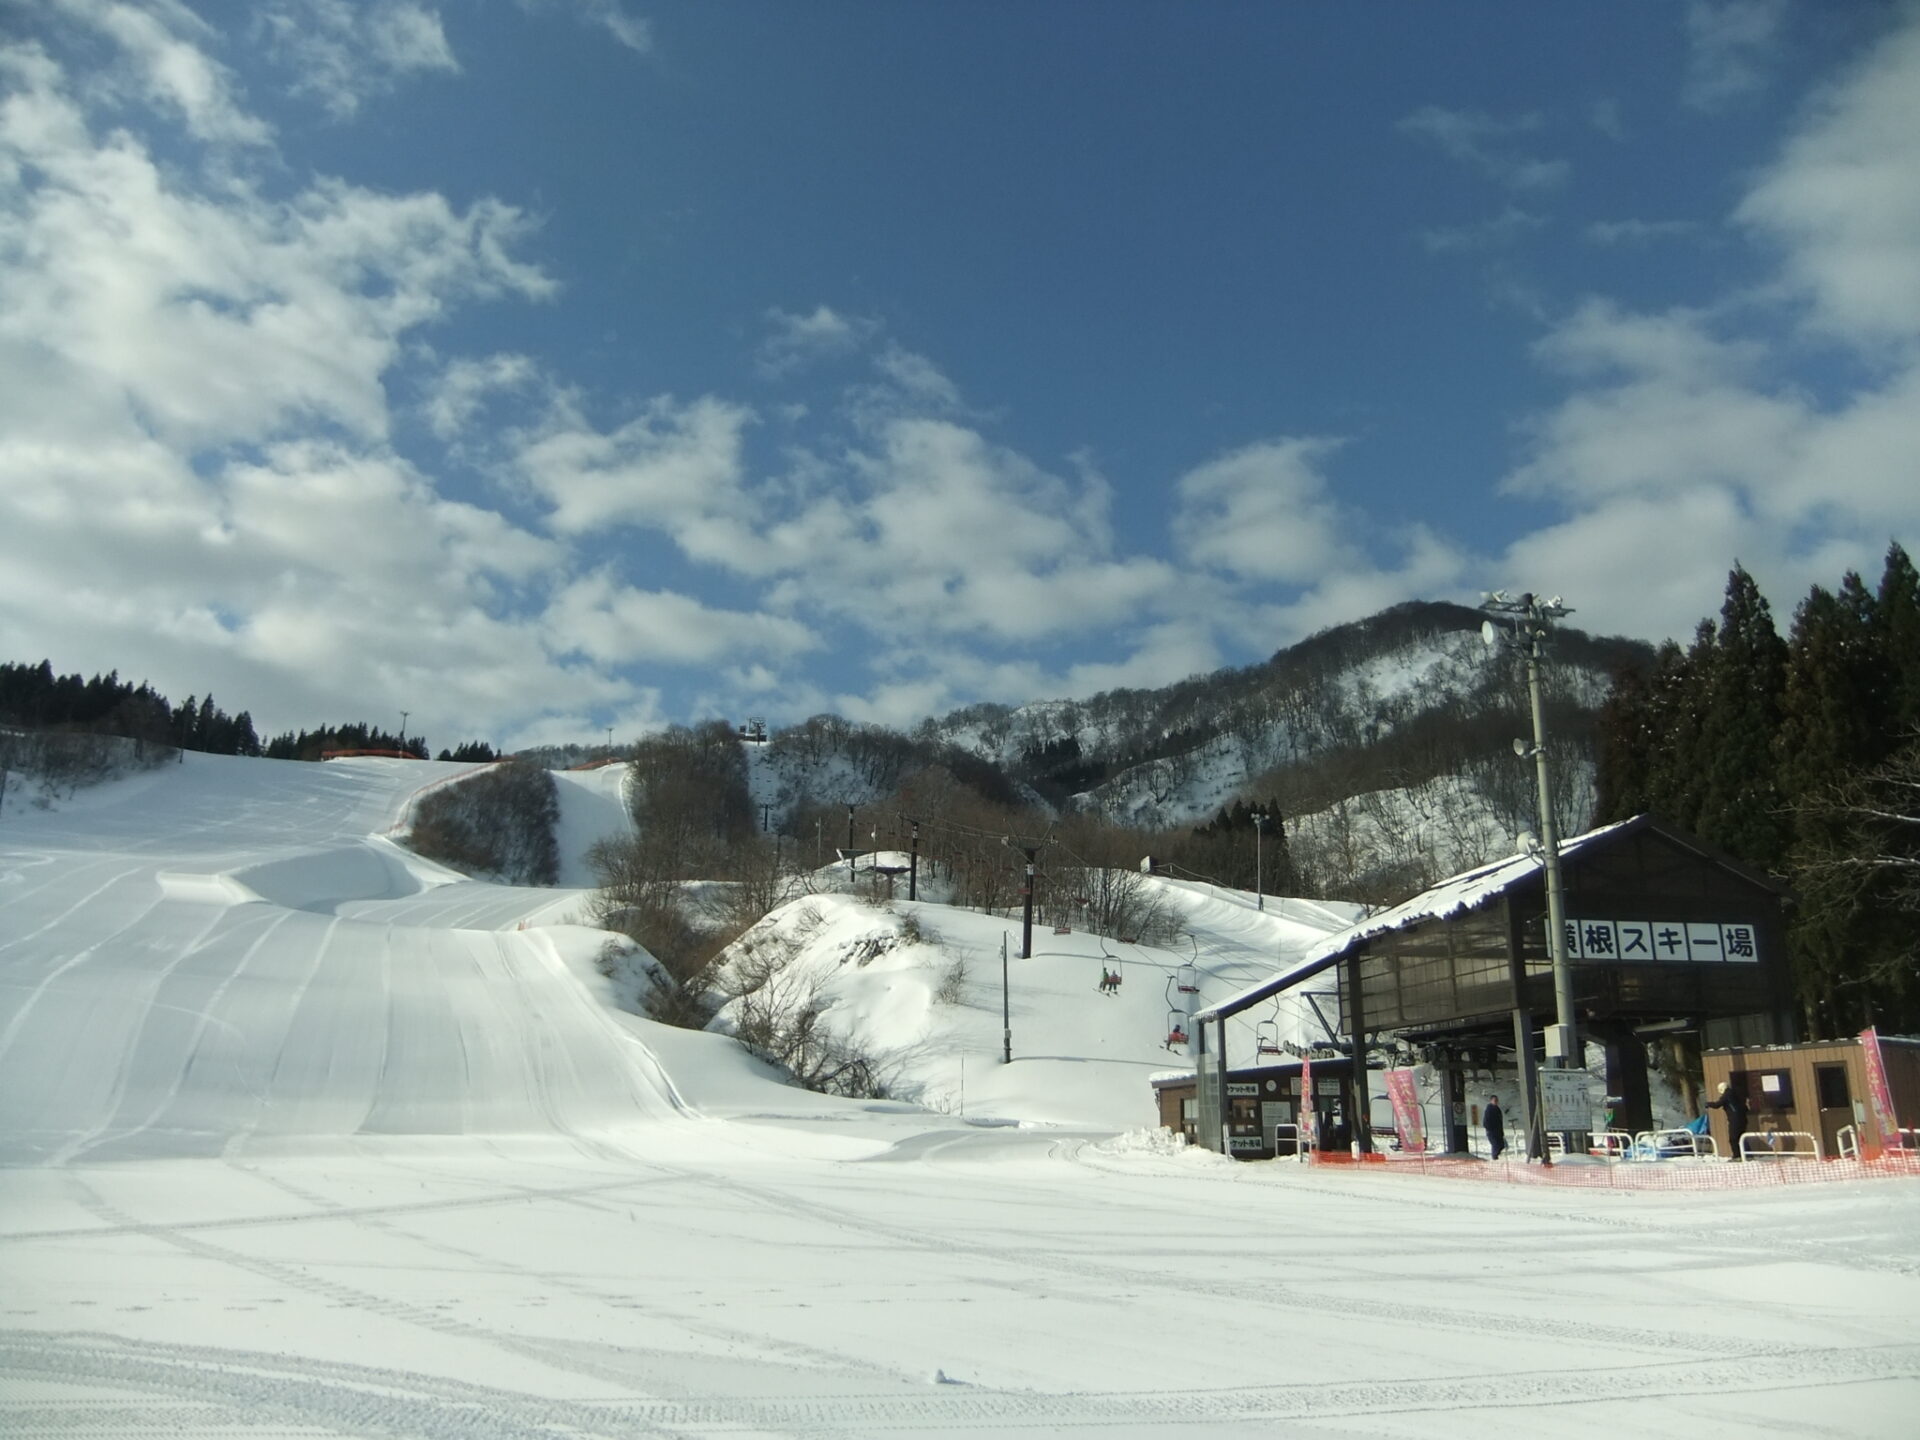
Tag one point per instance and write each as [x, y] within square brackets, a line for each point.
[1466, 891]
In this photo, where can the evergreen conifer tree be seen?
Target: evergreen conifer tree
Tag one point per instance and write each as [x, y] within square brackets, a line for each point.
[1675, 725]
[1741, 807]
[1897, 633]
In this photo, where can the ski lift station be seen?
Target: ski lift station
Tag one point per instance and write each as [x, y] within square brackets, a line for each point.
[1667, 942]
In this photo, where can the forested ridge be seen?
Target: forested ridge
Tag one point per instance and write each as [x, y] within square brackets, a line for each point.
[1801, 757]
[33, 697]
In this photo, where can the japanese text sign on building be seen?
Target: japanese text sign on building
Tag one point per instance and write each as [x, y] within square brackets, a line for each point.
[1656, 942]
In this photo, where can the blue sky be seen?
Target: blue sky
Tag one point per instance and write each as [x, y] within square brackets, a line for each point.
[539, 366]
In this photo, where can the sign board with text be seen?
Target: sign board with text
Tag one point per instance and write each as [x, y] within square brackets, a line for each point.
[1566, 1099]
[1661, 942]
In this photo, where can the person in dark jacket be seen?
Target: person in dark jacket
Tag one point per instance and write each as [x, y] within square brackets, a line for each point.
[1733, 1104]
[1496, 1126]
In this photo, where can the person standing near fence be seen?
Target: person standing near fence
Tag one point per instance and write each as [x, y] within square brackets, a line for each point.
[1495, 1124]
[1732, 1103]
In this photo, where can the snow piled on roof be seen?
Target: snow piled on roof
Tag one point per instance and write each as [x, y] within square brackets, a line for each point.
[1463, 892]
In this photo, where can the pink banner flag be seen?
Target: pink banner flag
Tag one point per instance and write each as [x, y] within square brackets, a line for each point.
[1879, 1093]
[1407, 1119]
[1309, 1117]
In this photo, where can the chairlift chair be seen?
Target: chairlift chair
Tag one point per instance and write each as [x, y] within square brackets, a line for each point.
[1187, 980]
[1176, 1029]
[1267, 1037]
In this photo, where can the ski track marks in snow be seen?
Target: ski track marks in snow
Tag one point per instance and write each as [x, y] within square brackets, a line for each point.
[188, 1389]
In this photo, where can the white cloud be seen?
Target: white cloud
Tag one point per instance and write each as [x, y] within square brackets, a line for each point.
[909, 386]
[344, 52]
[1496, 233]
[615, 624]
[220, 316]
[1486, 143]
[363, 520]
[194, 481]
[160, 62]
[794, 341]
[671, 468]
[1843, 200]
[608, 15]
[1730, 45]
[956, 535]
[1429, 565]
[1670, 411]
[1676, 443]
[612, 17]
[317, 580]
[1604, 116]
[463, 386]
[1635, 234]
[1263, 512]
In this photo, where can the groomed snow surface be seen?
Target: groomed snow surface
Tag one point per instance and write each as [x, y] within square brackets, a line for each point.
[300, 1136]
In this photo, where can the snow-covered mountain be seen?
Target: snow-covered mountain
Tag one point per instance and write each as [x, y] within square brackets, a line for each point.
[1385, 744]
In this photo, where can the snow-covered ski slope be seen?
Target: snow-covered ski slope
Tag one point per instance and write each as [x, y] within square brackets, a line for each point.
[231, 951]
[300, 1136]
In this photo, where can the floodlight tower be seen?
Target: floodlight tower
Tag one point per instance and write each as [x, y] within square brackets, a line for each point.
[1531, 617]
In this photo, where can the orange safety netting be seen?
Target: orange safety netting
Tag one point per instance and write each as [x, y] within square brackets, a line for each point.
[1675, 1174]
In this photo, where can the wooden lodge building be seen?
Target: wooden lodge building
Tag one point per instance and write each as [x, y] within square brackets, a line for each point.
[1666, 937]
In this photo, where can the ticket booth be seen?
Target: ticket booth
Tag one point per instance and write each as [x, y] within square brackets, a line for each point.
[1263, 1107]
[1868, 1084]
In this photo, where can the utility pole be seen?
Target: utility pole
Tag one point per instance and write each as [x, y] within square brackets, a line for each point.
[853, 856]
[403, 728]
[1259, 863]
[1532, 617]
[913, 862]
[1006, 1008]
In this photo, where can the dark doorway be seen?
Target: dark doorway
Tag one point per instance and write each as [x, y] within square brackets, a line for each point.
[1835, 1099]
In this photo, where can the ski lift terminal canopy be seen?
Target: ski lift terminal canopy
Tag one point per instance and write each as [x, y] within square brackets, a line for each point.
[1639, 893]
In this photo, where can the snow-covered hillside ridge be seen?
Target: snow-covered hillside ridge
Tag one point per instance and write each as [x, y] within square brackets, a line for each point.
[1384, 705]
[930, 998]
[1406, 684]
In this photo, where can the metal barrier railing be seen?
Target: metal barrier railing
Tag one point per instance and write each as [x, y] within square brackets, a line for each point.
[1765, 1145]
[1668, 1144]
[1613, 1144]
[1286, 1143]
[1846, 1141]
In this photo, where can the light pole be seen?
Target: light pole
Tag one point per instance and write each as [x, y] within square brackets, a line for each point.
[1259, 864]
[1531, 616]
[403, 728]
